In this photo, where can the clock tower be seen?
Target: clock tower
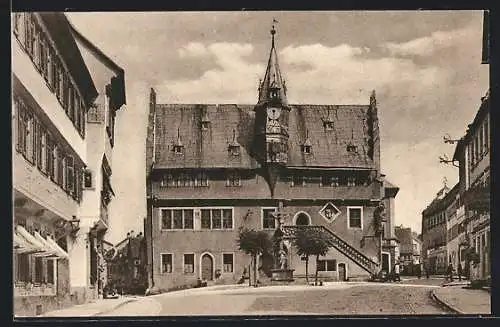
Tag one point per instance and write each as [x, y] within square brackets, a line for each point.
[271, 118]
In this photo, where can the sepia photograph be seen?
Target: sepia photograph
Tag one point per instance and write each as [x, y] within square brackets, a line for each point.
[250, 163]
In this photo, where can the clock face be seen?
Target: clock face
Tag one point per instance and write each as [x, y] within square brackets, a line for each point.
[273, 113]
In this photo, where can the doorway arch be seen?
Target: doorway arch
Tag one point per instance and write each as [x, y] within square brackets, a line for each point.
[207, 266]
[302, 218]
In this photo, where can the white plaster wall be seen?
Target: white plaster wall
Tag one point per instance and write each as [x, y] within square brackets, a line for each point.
[24, 69]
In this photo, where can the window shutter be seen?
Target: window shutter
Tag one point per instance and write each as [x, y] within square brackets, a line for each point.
[70, 175]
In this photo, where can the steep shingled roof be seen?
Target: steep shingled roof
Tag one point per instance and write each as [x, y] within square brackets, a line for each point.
[209, 148]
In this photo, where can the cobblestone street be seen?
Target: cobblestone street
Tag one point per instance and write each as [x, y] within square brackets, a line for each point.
[331, 299]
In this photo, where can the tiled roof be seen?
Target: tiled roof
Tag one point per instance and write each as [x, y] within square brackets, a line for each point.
[209, 148]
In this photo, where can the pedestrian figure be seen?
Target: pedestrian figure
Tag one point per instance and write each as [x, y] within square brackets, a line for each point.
[419, 271]
[449, 272]
[396, 272]
[426, 272]
[459, 271]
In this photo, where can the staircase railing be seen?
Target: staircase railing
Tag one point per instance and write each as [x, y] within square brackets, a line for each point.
[335, 241]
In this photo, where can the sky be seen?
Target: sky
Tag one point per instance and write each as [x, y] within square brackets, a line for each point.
[424, 66]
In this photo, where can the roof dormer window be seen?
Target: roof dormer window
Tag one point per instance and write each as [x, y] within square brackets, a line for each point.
[328, 125]
[307, 145]
[328, 122]
[352, 148]
[234, 146]
[178, 147]
[205, 121]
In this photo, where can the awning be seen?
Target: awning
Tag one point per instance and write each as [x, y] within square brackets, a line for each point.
[49, 248]
[63, 254]
[44, 251]
[21, 245]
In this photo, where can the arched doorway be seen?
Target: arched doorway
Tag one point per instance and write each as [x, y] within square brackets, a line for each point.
[302, 219]
[207, 267]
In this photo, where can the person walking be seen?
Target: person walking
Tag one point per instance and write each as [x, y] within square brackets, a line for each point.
[419, 271]
[397, 278]
[459, 271]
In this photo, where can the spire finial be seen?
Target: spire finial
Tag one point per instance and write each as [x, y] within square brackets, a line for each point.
[273, 31]
[234, 135]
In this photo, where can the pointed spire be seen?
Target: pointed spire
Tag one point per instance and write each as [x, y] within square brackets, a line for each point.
[234, 142]
[273, 85]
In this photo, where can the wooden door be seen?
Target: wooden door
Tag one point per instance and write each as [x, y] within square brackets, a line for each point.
[342, 272]
[207, 267]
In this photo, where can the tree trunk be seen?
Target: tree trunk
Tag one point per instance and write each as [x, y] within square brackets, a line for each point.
[316, 277]
[307, 270]
[255, 270]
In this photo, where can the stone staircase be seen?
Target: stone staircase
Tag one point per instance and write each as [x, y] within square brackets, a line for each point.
[335, 241]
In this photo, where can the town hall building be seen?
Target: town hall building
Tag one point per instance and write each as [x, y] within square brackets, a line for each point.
[215, 168]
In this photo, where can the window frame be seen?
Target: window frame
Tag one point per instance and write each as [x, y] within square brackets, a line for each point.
[232, 262]
[171, 263]
[172, 209]
[349, 217]
[262, 209]
[327, 266]
[184, 263]
[221, 209]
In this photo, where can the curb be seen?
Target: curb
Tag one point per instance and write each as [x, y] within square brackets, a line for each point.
[114, 308]
[444, 304]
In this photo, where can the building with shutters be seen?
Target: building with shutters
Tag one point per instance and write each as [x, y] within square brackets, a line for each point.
[61, 159]
[214, 168]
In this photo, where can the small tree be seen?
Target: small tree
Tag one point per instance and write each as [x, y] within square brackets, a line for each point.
[254, 243]
[309, 242]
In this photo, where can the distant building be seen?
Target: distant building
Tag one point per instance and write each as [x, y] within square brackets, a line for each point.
[212, 169]
[410, 247]
[126, 265]
[59, 220]
[434, 230]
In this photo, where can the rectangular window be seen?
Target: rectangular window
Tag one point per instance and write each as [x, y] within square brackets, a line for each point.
[327, 265]
[70, 175]
[177, 219]
[334, 181]
[30, 137]
[216, 219]
[268, 219]
[481, 142]
[166, 263]
[50, 271]
[44, 59]
[227, 219]
[189, 263]
[166, 219]
[188, 219]
[38, 270]
[61, 170]
[41, 160]
[354, 217]
[23, 268]
[21, 127]
[227, 261]
[476, 147]
[29, 31]
[351, 181]
[71, 102]
[205, 219]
